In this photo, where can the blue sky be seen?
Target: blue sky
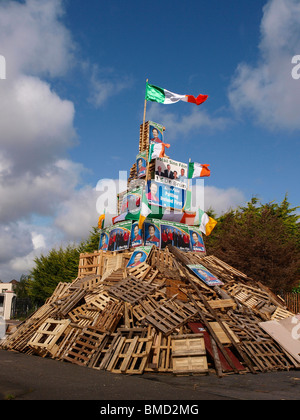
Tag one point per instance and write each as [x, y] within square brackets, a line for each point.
[73, 99]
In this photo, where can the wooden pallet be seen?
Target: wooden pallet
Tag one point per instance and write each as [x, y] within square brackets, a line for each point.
[132, 290]
[139, 272]
[130, 356]
[267, 356]
[170, 315]
[189, 354]
[45, 340]
[91, 263]
[160, 357]
[84, 346]
[110, 317]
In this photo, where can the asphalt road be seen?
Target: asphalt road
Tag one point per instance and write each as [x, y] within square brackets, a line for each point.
[24, 377]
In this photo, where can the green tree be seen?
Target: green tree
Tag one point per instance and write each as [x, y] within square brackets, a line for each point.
[59, 265]
[261, 240]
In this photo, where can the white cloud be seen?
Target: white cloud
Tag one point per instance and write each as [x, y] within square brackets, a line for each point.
[268, 90]
[218, 199]
[37, 129]
[179, 126]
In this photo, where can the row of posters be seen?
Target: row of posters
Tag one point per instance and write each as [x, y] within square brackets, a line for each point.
[127, 234]
[141, 254]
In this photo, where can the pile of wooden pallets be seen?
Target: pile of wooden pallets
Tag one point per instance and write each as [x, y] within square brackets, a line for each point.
[157, 317]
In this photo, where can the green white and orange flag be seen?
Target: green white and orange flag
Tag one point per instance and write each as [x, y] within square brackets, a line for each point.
[206, 223]
[197, 170]
[101, 221]
[157, 150]
[164, 96]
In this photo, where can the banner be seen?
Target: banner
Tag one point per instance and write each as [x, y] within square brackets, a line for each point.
[196, 240]
[136, 235]
[152, 233]
[119, 236]
[139, 256]
[203, 274]
[171, 172]
[176, 234]
[156, 133]
[141, 164]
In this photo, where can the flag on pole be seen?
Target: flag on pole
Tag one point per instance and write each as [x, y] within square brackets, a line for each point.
[206, 223]
[157, 150]
[145, 210]
[197, 170]
[101, 221]
[164, 96]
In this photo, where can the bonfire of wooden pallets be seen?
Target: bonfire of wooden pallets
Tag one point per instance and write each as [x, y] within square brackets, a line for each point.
[157, 317]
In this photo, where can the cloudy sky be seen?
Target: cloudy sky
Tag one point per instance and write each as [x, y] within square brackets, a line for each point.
[72, 104]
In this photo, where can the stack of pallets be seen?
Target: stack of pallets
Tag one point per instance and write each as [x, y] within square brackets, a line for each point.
[157, 317]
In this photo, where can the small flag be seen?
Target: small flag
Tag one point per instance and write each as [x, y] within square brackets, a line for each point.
[157, 150]
[197, 170]
[145, 211]
[101, 221]
[206, 223]
[164, 96]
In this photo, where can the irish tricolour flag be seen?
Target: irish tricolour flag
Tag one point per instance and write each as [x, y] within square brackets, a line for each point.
[197, 170]
[164, 96]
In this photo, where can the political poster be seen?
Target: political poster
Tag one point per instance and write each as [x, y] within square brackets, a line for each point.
[166, 196]
[104, 239]
[136, 235]
[171, 172]
[119, 236]
[152, 232]
[176, 234]
[156, 133]
[131, 201]
[139, 256]
[197, 243]
[203, 274]
[141, 164]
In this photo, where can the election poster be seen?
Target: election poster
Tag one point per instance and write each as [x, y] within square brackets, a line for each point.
[119, 236]
[197, 243]
[136, 235]
[156, 133]
[171, 172]
[141, 164]
[131, 201]
[139, 256]
[176, 234]
[167, 196]
[203, 274]
[104, 239]
[152, 232]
